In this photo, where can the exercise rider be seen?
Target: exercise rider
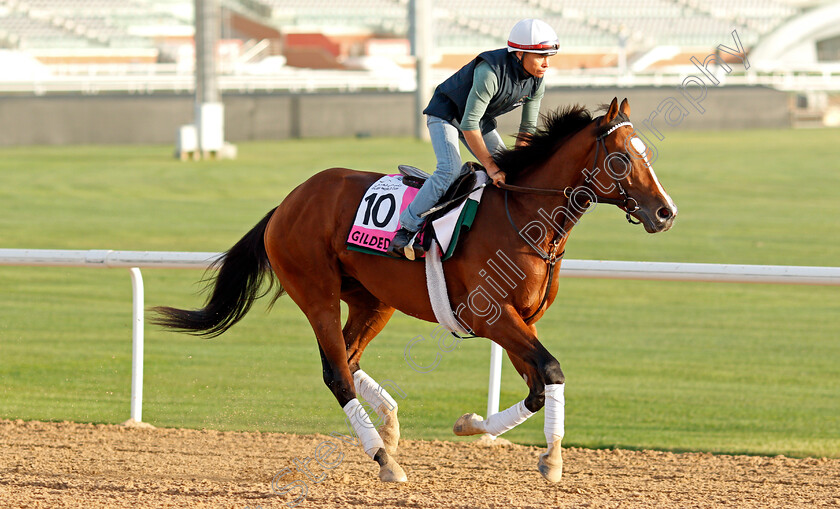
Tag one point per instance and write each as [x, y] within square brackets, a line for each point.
[465, 107]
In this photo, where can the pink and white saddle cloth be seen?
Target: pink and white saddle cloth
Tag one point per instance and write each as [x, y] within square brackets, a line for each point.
[377, 218]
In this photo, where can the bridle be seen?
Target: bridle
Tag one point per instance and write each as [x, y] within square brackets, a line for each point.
[625, 200]
[551, 257]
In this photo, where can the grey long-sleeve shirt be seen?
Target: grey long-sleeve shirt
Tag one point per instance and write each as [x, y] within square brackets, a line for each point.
[485, 86]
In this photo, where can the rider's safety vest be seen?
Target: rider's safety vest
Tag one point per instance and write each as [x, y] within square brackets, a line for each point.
[515, 85]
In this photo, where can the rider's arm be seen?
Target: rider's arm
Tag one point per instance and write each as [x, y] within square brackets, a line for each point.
[485, 86]
[530, 114]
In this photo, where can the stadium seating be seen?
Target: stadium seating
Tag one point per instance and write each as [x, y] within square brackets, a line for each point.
[588, 24]
[460, 26]
[73, 24]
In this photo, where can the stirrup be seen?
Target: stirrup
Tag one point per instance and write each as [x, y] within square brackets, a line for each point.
[410, 251]
[402, 251]
[413, 250]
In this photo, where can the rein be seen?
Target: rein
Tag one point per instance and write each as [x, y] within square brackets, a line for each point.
[552, 257]
[533, 190]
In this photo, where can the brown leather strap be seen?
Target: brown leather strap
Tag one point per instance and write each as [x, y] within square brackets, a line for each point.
[533, 190]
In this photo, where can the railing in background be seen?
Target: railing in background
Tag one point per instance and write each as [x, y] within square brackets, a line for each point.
[135, 260]
[106, 259]
[245, 78]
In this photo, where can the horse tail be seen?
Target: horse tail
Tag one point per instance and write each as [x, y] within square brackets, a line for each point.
[242, 270]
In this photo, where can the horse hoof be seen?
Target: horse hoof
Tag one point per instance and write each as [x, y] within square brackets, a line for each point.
[469, 424]
[551, 466]
[391, 471]
[390, 432]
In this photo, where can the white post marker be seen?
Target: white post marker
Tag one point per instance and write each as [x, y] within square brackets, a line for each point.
[138, 297]
[493, 391]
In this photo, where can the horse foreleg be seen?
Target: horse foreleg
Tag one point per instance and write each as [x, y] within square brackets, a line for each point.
[546, 383]
[498, 423]
[550, 396]
[551, 462]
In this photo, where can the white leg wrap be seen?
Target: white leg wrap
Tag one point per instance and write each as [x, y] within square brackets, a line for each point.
[373, 393]
[555, 413]
[508, 419]
[362, 425]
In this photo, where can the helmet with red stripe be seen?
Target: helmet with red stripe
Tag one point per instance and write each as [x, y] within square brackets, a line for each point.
[533, 36]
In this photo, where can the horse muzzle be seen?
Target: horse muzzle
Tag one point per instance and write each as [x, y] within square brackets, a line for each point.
[658, 218]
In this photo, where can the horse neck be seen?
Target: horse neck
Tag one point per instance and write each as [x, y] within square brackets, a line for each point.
[564, 169]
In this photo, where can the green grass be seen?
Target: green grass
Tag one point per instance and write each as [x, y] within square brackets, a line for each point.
[678, 366]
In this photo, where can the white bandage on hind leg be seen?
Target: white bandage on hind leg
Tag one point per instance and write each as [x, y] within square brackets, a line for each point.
[359, 418]
[508, 419]
[373, 393]
[555, 413]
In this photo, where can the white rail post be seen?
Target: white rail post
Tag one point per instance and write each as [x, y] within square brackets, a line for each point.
[137, 345]
[495, 379]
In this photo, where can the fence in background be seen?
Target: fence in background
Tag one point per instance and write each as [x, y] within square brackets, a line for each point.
[168, 78]
[135, 260]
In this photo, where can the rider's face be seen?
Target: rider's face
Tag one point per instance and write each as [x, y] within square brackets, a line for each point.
[535, 64]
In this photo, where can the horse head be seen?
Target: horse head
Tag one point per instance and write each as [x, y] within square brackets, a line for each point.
[589, 159]
[628, 181]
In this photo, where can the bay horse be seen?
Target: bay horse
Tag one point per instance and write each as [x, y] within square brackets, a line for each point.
[570, 162]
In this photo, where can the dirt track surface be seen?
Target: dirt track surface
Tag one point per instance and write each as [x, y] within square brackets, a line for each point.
[69, 465]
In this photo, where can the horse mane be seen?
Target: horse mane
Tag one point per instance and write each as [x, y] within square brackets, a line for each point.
[557, 127]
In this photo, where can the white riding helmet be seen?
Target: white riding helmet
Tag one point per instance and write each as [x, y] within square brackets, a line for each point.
[533, 36]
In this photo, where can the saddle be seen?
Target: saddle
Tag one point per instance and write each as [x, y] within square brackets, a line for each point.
[454, 196]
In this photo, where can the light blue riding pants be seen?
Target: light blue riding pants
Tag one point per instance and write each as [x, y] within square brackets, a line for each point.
[445, 136]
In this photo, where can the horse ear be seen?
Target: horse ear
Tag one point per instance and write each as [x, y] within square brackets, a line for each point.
[612, 112]
[625, 108]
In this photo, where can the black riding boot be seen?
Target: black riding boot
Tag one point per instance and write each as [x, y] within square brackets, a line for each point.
[401, 245]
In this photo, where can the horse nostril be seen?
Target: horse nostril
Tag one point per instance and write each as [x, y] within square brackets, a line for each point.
[664, 213]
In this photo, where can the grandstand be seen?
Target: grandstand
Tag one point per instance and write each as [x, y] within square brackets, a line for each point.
[119, 49]
[91, 30]
[461, 27]
[612, 37]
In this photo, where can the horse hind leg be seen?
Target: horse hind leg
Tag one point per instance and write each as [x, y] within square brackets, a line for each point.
[309, 269]
[325, 317]
[384, 405]
[366, 318]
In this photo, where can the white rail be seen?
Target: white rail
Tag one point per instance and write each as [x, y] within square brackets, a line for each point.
[106, 259]
[134, 260]
[164, 78]
[706, 272]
